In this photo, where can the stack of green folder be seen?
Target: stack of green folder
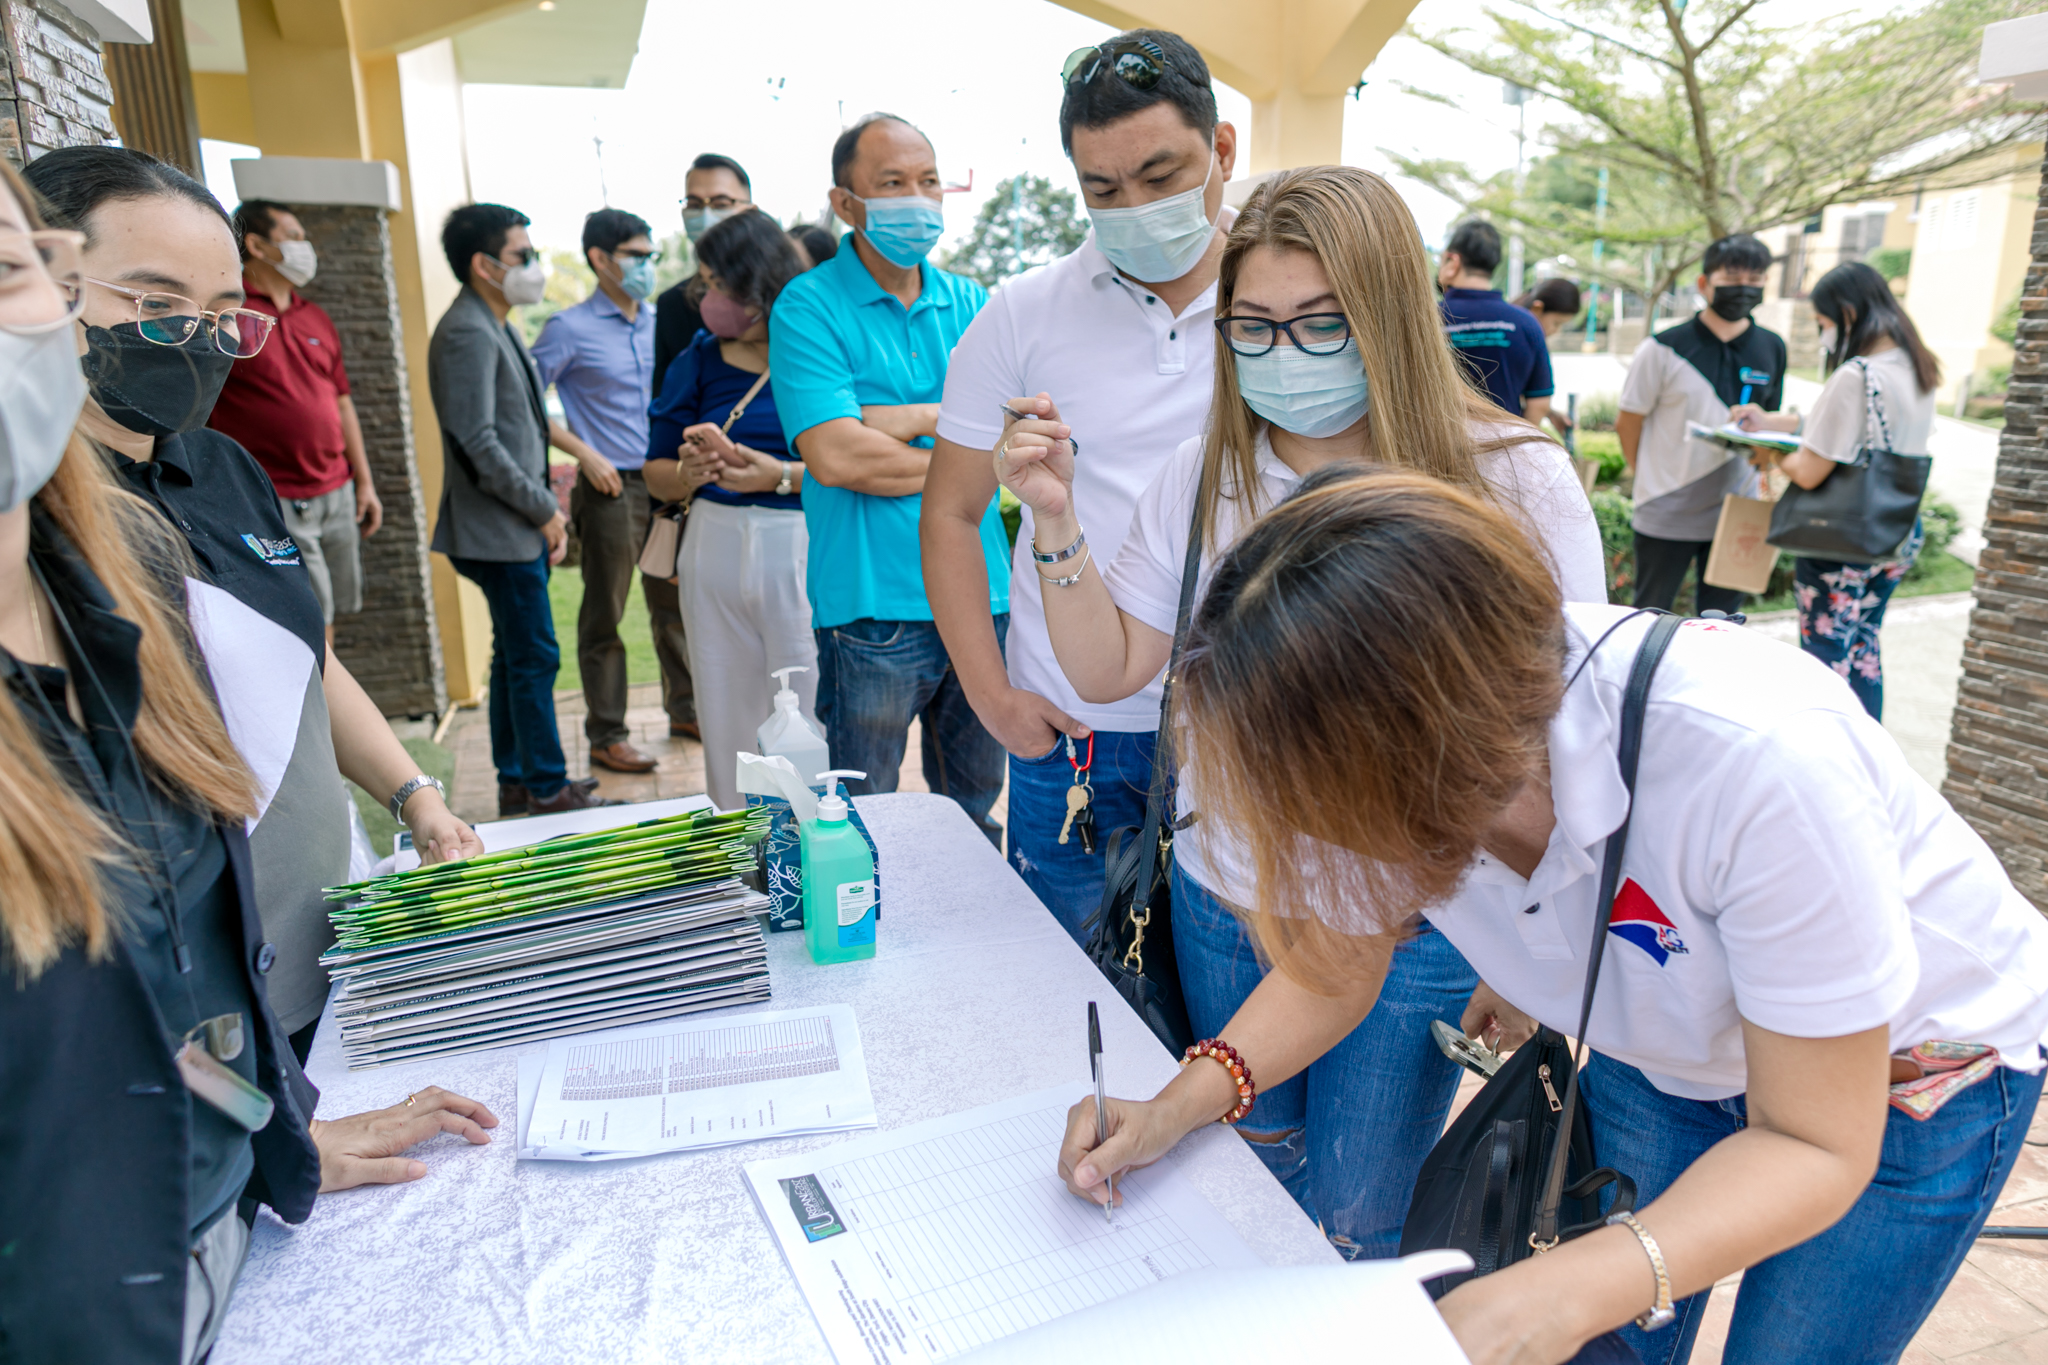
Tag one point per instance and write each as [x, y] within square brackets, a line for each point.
[581, 932]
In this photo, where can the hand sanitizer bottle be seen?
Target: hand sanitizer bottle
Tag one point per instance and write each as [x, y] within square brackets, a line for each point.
[839, 881]
[788, 734]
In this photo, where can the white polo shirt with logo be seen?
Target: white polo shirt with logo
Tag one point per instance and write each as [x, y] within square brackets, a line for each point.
[1785, 865]
[1133, 381]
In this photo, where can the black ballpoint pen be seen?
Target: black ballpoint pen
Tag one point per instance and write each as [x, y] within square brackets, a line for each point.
[1101, 1106]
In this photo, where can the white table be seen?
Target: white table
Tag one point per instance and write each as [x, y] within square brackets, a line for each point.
[975, 995]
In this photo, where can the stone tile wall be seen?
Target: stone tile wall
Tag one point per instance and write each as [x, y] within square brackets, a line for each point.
[53, 85]
[392, 646]
[1998, 750]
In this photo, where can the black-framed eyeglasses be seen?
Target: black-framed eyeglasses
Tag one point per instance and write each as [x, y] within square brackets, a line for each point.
[527, 256]
[1137, 62]
[1313, 333]
[654, 255]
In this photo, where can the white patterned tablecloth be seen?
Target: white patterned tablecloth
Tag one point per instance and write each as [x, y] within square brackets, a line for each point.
[976, 995]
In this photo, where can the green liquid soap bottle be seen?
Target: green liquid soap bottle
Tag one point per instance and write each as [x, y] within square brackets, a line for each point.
[839, 881]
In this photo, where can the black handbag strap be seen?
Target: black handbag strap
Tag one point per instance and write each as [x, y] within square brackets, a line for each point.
[1635, 703]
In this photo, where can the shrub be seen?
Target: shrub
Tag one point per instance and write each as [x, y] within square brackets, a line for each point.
[1615, 515]
[1892, 262]
[1597, 411]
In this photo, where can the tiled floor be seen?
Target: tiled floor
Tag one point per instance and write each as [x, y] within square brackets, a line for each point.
[1996, 1309]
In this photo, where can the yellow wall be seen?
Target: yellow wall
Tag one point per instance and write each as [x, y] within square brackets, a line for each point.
[1971, 248]
[224, 109]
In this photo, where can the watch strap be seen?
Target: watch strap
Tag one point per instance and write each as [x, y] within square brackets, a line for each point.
[410, 788]
[1661, 1313]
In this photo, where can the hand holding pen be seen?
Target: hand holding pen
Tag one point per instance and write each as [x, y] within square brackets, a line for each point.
[1101, 1106]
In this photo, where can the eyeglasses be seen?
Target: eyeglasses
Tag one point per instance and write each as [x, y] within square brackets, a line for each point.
[1317, 334]
[42, 281]
[716, 201]
[527, 256]
[1137, 62]
[173, 320]
[654, 256]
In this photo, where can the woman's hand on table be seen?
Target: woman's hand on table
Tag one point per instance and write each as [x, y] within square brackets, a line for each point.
[367, 1149]
[437, 834]
[755, 472]
[1035, 458]
[1141, 1131]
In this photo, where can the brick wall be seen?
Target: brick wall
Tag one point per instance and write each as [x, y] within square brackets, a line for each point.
[392, 646]
[53, 87]
[1998, 749]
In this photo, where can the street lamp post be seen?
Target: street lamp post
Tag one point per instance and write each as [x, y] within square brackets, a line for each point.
[1517, 95]
[1599, 246]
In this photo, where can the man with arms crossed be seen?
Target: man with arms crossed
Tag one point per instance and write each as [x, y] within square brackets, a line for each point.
[1115, 340]
[858, 348]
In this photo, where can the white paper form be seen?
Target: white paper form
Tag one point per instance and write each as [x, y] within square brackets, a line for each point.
[681, 1084]
[923, 1243]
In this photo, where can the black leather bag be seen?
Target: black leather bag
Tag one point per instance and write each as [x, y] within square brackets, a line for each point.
[1503, 1183]
[1862, 512]
[1131, 936]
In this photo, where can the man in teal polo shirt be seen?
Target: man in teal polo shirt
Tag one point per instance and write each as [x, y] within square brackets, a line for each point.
[858, 351]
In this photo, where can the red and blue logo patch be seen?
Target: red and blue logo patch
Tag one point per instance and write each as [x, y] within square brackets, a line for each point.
[1637, 919]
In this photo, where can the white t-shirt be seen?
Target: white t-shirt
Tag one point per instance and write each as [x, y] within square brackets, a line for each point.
[1785, 865]
[1842, 421]
[1536, 478]
[1680, 479]
[1130, 378]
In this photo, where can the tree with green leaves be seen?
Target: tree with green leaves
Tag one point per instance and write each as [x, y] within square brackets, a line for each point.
[1710, 120]
[1026, 222]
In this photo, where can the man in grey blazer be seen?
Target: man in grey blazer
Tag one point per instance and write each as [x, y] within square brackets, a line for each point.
[499, 523]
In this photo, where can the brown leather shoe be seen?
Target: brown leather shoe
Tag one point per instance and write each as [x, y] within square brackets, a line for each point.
[571, 797]
[622, 758]
[685, 729]
[512, 799]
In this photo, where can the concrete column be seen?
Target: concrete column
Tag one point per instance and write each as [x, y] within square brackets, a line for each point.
[393, 645]
[1998, 748]
[1295, 128]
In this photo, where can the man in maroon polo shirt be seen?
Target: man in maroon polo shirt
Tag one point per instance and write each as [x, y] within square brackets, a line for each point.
[289, 405]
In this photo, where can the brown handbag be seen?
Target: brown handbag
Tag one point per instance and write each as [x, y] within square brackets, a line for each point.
[665, 526]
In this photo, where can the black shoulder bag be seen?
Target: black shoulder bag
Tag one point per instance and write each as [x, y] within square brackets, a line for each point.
[1495, 1185]
[1860, 513]
[1132, 937]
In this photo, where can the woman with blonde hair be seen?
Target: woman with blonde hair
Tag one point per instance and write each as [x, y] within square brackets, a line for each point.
[148, 1095]
[1816, 999]
[1328, 349]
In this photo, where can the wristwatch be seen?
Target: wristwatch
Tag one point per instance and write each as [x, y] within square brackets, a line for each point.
[1661, 1313]
[788, 483]
[408, 790]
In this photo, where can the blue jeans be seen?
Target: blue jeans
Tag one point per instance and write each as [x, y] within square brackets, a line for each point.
[874, 678]
[526, 747]
[1855, 1294]
[1347, 1136]
[1066, 876]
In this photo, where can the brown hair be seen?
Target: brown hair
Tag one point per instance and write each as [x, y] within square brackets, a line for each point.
[1424, 405]
[1367, 683]
[53, 844]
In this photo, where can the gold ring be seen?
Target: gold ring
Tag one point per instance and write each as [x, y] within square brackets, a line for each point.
[408, 1099]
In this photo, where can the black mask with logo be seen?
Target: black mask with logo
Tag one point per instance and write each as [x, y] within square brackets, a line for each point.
[151, 389]
[1734, 302]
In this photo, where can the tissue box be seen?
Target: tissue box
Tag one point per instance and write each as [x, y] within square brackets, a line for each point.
[782, 867]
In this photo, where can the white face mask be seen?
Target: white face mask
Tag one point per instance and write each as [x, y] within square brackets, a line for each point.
[1828, 337]
[1154, 243]
[300, 261]
[523, 284]
[42, 390]
[1309, 395]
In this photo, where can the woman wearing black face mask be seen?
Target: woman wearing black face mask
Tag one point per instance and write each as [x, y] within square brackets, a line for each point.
[162, 324]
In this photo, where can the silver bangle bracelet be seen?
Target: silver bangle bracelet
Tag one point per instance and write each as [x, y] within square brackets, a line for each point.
[1071, 579]
[1062, 556]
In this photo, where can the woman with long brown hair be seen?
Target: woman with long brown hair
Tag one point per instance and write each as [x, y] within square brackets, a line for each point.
[1328, 348]
[1389, 701]
[147, 1092]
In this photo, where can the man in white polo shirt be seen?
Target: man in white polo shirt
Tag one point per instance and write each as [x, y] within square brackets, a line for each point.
[1118, 333]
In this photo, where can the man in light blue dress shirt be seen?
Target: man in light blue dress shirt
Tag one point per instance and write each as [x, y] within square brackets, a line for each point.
[599, 355]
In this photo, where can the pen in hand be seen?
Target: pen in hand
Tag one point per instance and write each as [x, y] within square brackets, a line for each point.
[1101, 1106]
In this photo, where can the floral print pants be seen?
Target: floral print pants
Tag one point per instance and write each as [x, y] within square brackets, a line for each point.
[1841, 607]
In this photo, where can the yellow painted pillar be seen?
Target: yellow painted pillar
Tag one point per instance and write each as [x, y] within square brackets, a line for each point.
[305, 89]
[1295, 128]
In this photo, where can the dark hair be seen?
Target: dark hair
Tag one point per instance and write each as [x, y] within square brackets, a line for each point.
[258, 216]
[1559, 297]
[1477, 243]
[848, 145]
[818, 244]
[606, 228]
[752, 257]
[1736, 251]
[712, 161]
[1107, 97]
[477, 227]
[75, 181]
[1854, 286]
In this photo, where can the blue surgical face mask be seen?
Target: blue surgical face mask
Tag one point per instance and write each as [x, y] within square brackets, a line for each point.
[697, 222]
[904, 228]
[1157, 242]
[637, 277]
[1309, 395]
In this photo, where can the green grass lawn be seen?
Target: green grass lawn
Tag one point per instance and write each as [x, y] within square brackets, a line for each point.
[565, 595]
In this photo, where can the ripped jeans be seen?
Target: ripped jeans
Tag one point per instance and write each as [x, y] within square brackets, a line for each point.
[1347, 1136]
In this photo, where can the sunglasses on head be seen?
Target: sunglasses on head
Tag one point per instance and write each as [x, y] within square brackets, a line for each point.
[1137, 62]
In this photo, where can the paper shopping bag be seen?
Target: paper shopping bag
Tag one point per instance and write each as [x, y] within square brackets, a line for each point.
[1742, 557]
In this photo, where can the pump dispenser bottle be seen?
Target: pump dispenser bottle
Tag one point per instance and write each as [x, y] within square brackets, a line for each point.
[788, 734]
[839, 881]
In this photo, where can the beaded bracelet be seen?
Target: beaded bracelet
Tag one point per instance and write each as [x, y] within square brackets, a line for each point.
[1234, 1063]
